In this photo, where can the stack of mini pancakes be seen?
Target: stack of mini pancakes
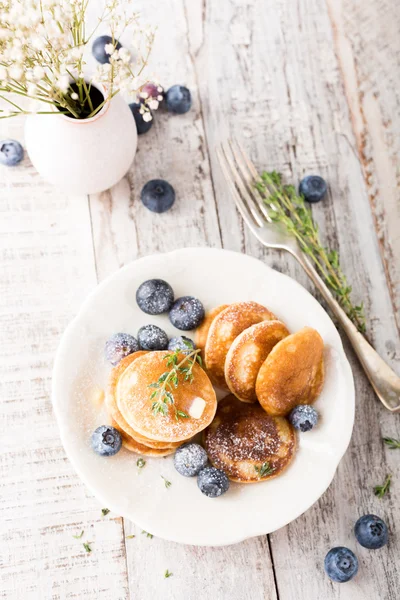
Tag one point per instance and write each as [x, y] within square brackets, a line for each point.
[129, 404]
[268, 371]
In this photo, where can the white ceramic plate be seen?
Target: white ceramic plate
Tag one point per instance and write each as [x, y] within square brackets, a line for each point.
[181, 513]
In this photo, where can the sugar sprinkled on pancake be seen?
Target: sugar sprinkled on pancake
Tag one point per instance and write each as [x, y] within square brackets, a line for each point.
[133, 446]
[247, 354]
[247, 443]
[293, 372]
[202, 331]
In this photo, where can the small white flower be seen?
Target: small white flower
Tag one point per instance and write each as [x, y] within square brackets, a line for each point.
[160, 98]
[74, 96]
[144, 95]
[109, 49]
[76, 53]
[3, 73]
[124, 55]
[38, 72]
[62, 83]
[147, 116]
[31, 88]
[153, 104]
[16, 72]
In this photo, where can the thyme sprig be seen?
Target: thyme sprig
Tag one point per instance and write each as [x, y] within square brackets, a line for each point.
[381, 490]
[289, 209]
[164, 387]
[264, 470]
[392, 443]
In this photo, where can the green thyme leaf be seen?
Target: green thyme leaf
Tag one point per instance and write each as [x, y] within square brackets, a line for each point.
[140, 463]
[166, 482]
[149, 535]
[87, 547]
[181, 414]
[264, 470]
[129, 537]
[167, 574]
[381, 490]
[78, 537]
[392, 443]
[105, 511]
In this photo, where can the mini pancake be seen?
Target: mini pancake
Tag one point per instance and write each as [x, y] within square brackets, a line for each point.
[134, 446]
[203, 329]
[114, 412]
[196, 399]
[224, 330]
[247, 354]
[293, 372]
[243, 441]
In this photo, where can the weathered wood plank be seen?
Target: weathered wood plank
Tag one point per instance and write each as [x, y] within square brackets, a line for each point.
[47, 269]
[268, 73]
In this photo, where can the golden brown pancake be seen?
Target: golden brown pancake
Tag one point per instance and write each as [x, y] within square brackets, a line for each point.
[202, 331]
[293, 373]
[247, 354]
[114, 412]
[196, 399]
[225, 328]
[134, 446]
[247, 443]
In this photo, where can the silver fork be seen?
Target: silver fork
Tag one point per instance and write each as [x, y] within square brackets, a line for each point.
[241, 176]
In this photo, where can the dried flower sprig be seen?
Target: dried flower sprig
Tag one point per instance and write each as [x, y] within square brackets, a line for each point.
[381, 490]
[162, 395]
[287, 208]
[42, 57]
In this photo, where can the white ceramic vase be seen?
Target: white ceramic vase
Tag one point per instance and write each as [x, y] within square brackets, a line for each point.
[83, 156]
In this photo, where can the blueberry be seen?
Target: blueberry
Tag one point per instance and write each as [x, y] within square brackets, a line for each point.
[371, 532]
[142, 126]
[341, 564]
[120, 345]
[182, 343]
[11, 153]
[313, 188]
[106, 440]
[98, 48]
[152, 337]
[186, 313]
[189, 459]
[303, 417]
[178, 99]
[212, 482]
[155, 296]
[158, 195]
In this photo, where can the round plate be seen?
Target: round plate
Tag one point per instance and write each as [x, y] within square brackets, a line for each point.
[181, 513]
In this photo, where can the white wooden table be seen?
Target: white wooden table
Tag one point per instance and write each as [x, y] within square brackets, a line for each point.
[309, 87]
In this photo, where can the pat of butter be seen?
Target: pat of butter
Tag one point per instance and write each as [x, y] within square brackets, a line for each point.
[197, 408]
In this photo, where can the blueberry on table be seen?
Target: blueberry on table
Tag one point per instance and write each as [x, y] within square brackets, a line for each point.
[152, 337]
[186, 313]
[303, 417]
[178, 99]
[142, 126]
[371, 532]
[313, 188]
[106, 440]
[182, 343]
[212, 482]
[155, 296]
[11, 153]
[341, 564]
[120, 345]
[158, 195]
[98, 48]
[190, 459]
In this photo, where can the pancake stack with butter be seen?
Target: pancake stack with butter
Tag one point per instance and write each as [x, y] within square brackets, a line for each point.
[130, 402]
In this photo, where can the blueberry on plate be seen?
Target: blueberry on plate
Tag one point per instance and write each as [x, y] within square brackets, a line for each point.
[313, 188]
[303, 417]
[190, 459]
[142, 126]
[11, 153]
[120, 345]
[152, 337]
[98, 48]
[371, 532]
[106, 440]
[158, 195]
[155, 296]
[182, 343]
[178, 99]
[186, 313]
[212, 482]
[341, 564]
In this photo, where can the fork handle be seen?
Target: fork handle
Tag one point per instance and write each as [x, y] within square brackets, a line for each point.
[382, 378]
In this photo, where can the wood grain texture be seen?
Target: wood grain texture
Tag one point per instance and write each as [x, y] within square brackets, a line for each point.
[307, 87]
